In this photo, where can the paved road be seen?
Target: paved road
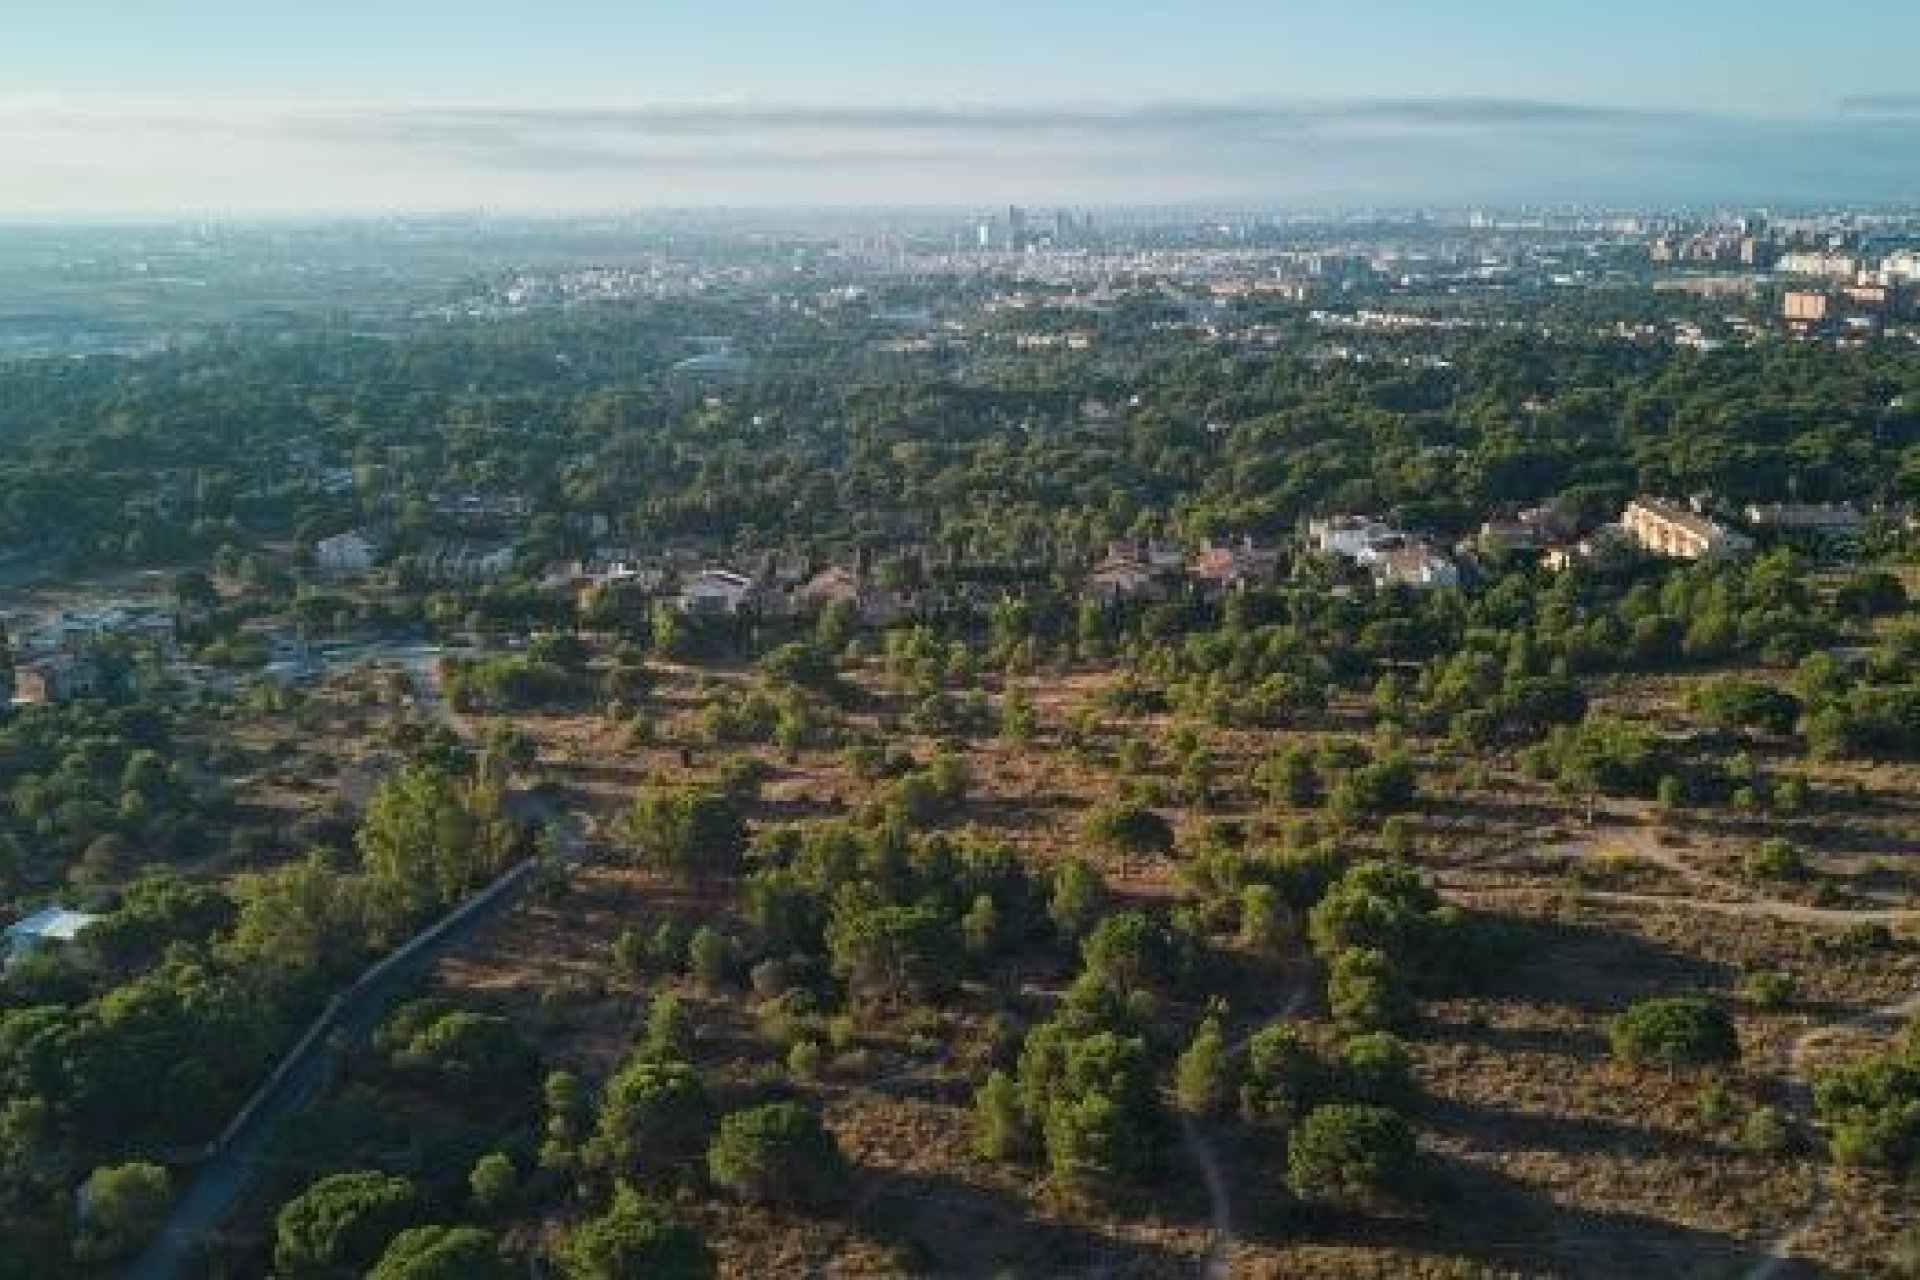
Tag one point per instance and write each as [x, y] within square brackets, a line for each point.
[223, 1178]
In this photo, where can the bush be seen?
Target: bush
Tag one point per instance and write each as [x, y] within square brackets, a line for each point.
[1775, 859]
[1368, 992]
[655, 1120]
[777, 1153]
[1351, 1156]
[1674, 1031]
[1129, 828]
[636, 1240]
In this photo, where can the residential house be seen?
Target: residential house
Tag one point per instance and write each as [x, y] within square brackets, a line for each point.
[348, 554]
[1414, 565]
[55, 926]
[1828, 519]
[834, 585]
[60, 677]
[1535, 529]
[1233, 566]
[1355, 538]
[1126, 574]
[713, 592]
[1667, 529]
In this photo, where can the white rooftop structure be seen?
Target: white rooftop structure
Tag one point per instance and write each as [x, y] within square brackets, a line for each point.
[54, 924]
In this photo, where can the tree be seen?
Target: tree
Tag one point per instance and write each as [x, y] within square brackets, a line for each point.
[338, 1226]
[1264, 921]
[1125, 827]
[709, 955]
[669, 1033]
[1283, 1075]
[1367, 991]
[1376, 1068]
[809, 666]
[121, 1207]
[1203, 1078]
[1129, 951]
[428, 838]
[493, 1184]
[1091, 1144]
[692, 835]
[636, 1240]
[1352, 1156]
[442, 1253]
[1078, 899]
[1674, 1031]
[891, 951]
[654, 1121]
[566, 1121]
[1000, 1127]
[777, 1153]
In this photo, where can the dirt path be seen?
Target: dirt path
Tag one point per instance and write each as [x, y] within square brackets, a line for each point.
[1200, 1148]
[1637, 842]
[1798, 1060]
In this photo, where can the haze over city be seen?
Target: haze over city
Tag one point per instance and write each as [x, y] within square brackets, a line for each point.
[1194, 640]
[222, 106]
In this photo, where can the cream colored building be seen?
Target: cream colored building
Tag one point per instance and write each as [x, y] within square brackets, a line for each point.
[1665, 529]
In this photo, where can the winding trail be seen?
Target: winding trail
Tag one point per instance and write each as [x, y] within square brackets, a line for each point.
[1638, 843]
[1780, 1254]
[1200, 1149]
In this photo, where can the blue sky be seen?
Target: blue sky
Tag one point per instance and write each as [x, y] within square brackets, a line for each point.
[591, 103]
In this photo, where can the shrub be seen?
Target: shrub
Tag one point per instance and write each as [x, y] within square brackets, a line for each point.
[1352, 1157]
[777, 1153]
[1674, 1031]
[1126, 827]
[636, 1240]
[655, 1119]
[1775, 859]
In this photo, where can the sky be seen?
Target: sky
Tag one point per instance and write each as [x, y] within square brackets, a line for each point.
[271, 106]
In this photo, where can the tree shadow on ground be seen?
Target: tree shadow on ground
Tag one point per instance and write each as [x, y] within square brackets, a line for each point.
[1484, 1218]
[948, 1227]
[1589, 968]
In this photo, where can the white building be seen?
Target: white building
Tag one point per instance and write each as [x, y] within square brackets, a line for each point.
[716, 591]
[349, 553]
[55, 926]
[1357, 538]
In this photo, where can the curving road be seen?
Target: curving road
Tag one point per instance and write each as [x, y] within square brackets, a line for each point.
[239, 1154]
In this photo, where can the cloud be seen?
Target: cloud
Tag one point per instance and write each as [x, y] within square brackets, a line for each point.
[97, 154]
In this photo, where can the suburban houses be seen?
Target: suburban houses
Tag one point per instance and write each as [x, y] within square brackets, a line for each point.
[1667, 529]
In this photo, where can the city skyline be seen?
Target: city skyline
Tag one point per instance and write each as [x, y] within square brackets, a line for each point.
[204, 106]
